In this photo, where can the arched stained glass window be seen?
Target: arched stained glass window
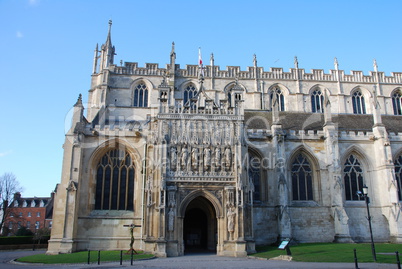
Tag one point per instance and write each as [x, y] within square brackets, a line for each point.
[397, 102]
[189, 92]
[398, 175]
[254, 173]
[359, 106]
[302, 178]
[277, 98]
[353, 177]
[317, 101]
[141, 95]
[115, 181]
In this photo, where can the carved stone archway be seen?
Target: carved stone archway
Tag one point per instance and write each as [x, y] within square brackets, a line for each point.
[200, 226]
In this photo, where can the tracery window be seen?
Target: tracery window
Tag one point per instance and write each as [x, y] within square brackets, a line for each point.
[397, 102]
[302, 178]
[278, 98]
[189, 92]
[141, 95]
[115, 181]
[317, 101]
[359, 107]
[254, 173]
[353, 178]
[398, 175]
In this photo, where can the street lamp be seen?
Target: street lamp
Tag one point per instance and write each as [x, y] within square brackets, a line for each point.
[367, 200]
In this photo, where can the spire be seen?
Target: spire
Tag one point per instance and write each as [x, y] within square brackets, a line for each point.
[375, 66]
[173, 53]
[79, 100]
[172, 60]
[107, 50]
[95, 65]
[109, 37]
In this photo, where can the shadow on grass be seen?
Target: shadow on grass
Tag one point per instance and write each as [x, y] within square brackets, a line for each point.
[333, 252]
[82, 257]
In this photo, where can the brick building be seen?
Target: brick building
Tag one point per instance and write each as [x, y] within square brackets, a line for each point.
[33, 213]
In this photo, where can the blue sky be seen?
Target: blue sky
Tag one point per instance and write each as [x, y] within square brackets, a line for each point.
[47, 49]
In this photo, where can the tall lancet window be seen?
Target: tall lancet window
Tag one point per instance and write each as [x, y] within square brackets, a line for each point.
[189, 92]
[398, 175]
[353, 177]
[317, 101]
[141, 95]
[230, 98]
[359, 106]
[115, 181]
[302, 178]
[254, 174]
[278, 98]
[397, 102]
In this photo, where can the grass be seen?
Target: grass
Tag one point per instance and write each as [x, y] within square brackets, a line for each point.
[82, 257]
[333, 252]
[314, 252]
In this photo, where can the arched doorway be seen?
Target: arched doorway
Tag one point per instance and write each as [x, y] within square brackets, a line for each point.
[200, 226]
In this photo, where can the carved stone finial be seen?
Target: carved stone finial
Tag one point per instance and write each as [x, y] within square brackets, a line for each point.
[375, 65]
[336, 63]
[255, 59]
[296, 63]
[79, 100]
[172, 52]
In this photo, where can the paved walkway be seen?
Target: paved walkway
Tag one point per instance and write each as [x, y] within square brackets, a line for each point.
[193, 261]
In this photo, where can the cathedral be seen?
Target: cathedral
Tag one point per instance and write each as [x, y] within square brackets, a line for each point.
[204, 159]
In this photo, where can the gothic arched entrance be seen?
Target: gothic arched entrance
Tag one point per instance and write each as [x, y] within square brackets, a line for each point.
[200, 226]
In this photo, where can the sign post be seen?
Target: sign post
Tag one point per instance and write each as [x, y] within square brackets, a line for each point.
[285, 245]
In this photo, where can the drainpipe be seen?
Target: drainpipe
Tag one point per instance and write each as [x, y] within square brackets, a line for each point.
[144, 170]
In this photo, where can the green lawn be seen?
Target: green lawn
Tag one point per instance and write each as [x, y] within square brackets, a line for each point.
[82, 257]
[333, 252]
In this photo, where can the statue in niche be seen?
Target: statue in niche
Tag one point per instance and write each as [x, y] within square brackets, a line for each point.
[184, 154]
[171, 216]
[173, 157]
[217, 157]
[207, 157]
[231, 220]
[194, 158]
[228, 157]
[217, 136]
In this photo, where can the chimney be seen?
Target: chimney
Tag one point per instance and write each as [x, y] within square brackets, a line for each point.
[17, 196]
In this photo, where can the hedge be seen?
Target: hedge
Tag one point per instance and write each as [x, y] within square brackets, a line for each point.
[19, 240]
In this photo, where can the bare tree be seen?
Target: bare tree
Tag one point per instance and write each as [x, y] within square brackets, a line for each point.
[9, 185]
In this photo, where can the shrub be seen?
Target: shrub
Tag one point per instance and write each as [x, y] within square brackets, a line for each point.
[23, 231]
[16, 240]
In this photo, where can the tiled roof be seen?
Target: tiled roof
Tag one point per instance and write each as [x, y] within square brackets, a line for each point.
[315, 121]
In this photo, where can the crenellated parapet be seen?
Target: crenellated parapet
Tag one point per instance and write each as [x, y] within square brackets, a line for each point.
[274, 73]
[266, 134]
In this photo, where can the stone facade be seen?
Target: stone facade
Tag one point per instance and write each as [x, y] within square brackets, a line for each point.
[228, 159]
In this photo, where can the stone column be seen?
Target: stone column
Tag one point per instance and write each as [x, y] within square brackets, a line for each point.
[336, 185]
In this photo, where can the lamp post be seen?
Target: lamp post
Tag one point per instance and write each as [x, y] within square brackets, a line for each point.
[367, 200]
